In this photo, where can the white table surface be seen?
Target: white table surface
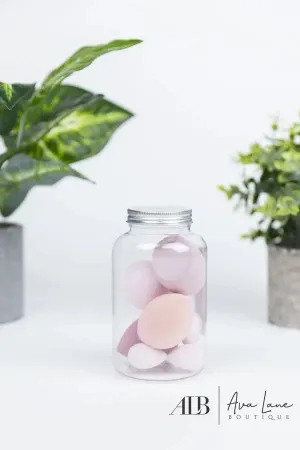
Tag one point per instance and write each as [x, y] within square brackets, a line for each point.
[59, 391]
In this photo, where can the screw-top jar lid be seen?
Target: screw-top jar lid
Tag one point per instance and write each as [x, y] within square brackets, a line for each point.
[168, 215]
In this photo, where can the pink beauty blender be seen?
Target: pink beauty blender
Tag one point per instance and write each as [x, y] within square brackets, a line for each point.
[165, 321]
[195, 331]
[193, 280]
[169, 350]
[188, 357]
[179, 265]
[129, 338]
[141, 356]
[140, 284]
[171, 258]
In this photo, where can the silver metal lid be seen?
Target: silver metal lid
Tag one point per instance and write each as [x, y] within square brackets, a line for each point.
[168, 215]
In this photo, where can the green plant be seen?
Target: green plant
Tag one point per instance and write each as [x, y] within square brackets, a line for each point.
[270, 186]
[47, 128]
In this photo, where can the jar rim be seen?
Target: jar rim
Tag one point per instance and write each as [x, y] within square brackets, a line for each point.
[168, 215]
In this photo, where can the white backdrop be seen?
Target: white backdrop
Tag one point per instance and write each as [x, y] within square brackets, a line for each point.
[204, 84]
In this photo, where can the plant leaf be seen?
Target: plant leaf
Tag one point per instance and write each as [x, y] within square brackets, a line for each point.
[269, 208]
[60, 102]
[81, 59]
[22, 173]
[287, 206]
[230, 191]
[9, 115]
[6, 93]
[59, 99]
[12, 94]
[77, 134]
[78, 61]
[254, 234]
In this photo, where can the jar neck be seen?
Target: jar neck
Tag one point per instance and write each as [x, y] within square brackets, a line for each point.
[141, 228]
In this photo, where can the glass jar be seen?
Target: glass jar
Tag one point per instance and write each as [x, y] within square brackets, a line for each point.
[159, 296]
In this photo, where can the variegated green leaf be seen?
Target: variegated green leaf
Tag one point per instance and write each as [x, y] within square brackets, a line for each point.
[22, 173]
[73, 124]
[8, 116]
[80, 133]
[6, 92]
[60, 99]
[57, 125]
[78, 61]
[11, 94]
[60, 102]
[81, 59]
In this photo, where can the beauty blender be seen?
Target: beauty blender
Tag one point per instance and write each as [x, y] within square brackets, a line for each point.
[129, 338]
[179, 265]
[140, 284]
[142, 356]
[165, 321]
[195, 331]
[188, 357]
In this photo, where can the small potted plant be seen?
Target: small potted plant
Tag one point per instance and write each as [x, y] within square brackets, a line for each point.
[45, 129]
[270, 190]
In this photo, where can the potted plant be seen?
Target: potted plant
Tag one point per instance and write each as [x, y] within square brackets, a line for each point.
[270, 190]
[45, 129]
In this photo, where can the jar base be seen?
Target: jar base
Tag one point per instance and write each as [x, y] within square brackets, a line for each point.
[164, 372]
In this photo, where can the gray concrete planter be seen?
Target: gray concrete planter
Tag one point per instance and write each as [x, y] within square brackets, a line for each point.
[284, 287]
[11, 272]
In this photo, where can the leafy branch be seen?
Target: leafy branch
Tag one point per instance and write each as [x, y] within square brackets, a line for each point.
[47, 129]
[272, 192]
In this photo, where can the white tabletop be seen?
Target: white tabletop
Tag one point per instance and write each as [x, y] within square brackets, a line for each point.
[58, 389]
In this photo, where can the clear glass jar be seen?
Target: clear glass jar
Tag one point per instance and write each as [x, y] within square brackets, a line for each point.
[159, 296]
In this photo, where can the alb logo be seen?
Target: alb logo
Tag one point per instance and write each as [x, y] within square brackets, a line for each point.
[192, 406]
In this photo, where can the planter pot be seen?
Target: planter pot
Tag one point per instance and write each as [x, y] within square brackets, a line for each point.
[284, 287]
[11, 272]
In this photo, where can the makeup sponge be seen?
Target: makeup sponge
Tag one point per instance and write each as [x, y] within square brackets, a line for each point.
[179, 265]
[165, 321]
[140, 284]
